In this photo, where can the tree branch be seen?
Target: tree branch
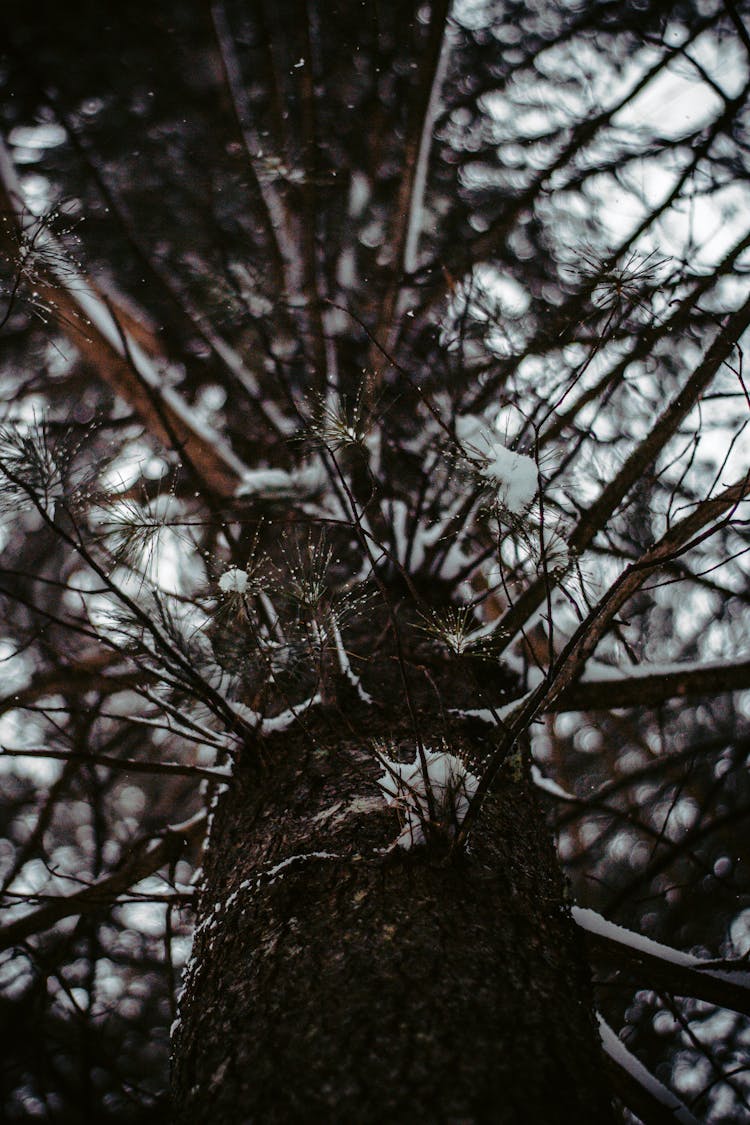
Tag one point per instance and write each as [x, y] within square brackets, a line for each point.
[645, 454]
[146, 857]
[641, 688]
[81, 311]
[677, 972]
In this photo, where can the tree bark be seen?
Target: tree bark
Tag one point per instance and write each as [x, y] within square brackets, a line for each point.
[371, 984]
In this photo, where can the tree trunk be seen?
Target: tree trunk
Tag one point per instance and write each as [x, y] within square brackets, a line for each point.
[337, 979]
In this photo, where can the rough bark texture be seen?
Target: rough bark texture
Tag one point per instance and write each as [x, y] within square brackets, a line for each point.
[367, 987]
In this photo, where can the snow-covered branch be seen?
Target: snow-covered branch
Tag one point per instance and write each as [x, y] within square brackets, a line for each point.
[726, 984]
[648, 685]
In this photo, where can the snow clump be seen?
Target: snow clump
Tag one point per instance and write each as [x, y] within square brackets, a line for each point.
[233, 581]
[405, 786]
[515, 477]
[513, 474]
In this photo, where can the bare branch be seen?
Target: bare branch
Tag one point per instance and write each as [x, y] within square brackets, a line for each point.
[145, 857]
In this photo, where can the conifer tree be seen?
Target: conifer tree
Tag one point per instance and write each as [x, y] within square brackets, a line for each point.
[373, 475]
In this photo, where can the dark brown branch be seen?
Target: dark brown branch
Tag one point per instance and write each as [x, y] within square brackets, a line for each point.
[572, 660]
[88, 675]
[128, 765]
[672, 971]
[651, 690]
[68, 302]
[146, 857]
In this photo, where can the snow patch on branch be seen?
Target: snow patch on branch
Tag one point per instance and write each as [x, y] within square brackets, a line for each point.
[619, 1053]
[734, 973]
[416, 215]
[594, 923]
[595, 671]
[274, 723]
[278, 484]
[345, 665]
[410, 787]
[514, 475]
[413, 543]
[550, 786]
[233, 581]
[495, 716]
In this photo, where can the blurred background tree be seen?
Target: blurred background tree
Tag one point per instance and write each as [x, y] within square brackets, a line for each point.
[269, 269]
